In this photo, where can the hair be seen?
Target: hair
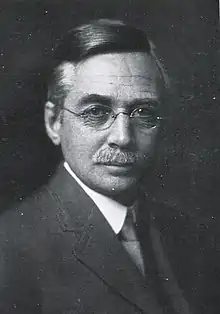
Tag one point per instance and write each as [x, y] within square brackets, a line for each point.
[87, 40]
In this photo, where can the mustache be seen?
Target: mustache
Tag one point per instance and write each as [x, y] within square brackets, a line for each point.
[112, 156]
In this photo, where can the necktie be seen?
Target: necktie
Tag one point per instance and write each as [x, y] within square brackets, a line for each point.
[129, 240]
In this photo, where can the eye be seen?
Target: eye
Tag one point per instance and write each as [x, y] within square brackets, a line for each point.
[142, 112]
[97, 111]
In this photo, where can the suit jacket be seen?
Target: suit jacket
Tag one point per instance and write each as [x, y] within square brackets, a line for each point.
[60, 256]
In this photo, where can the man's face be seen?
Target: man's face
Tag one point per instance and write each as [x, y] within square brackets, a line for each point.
[113, 160]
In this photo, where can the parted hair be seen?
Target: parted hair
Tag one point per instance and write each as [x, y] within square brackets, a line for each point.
[87, 40]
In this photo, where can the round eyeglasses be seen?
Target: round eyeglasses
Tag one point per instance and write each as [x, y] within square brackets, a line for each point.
[101, 117]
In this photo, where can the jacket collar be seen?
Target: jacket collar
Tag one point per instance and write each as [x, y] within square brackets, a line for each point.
[96, 246]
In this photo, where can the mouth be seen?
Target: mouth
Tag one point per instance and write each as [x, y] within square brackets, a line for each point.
[118, 164]
[118, 169]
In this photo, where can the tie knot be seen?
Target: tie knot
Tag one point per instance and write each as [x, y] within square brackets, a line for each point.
[127, 232]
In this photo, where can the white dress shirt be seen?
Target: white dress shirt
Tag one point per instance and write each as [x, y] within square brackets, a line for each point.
[113, 212]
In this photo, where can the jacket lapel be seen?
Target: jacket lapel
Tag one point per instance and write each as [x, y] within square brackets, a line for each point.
[101, 251]
[96, 246]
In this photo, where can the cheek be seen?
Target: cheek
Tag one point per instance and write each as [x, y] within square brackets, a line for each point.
[79, 143]
[67, 135]
[146, 142]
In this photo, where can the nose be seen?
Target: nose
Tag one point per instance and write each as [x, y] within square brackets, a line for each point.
[120, 132]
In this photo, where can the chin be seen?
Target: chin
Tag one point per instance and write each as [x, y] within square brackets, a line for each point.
[116, 186]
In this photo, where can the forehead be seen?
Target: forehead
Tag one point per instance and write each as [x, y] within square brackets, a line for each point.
[121, 75]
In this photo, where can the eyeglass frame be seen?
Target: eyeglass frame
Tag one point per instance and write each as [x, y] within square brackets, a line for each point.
[114, 116]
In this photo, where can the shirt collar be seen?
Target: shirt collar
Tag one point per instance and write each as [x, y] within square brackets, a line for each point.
[113, 212]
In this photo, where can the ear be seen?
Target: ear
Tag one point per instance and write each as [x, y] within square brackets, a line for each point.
[52, 122]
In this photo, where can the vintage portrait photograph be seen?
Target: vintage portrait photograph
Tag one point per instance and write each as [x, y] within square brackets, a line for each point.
[109, 157]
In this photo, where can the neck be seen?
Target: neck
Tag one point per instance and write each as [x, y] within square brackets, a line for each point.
[127, 198]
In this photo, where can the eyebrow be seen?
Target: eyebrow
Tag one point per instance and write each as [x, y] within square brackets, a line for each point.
[149, 101]
[107, 101]
[95, 98]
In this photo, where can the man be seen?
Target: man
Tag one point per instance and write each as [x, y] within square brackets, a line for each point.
[90, 241]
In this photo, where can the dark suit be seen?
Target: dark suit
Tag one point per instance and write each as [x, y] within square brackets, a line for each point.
[59, 255]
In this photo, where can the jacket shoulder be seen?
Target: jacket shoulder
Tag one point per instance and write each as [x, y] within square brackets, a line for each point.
[192, 244]
[28, 227]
